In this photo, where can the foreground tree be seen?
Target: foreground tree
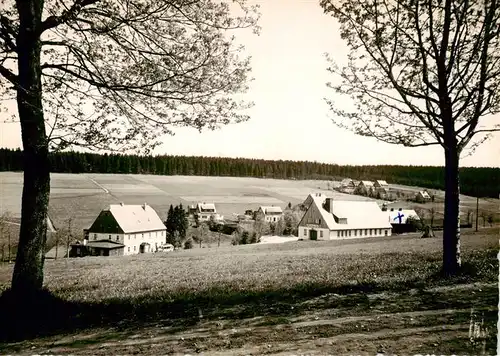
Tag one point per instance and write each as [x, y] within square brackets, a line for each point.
[420, 73]
[112, 75]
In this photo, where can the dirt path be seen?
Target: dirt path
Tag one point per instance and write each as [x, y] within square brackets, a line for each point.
[404, 323]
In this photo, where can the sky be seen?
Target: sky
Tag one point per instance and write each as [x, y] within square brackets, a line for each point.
[290, 119]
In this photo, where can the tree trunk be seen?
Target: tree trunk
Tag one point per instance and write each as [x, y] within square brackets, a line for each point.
[28, 270]
[451, 232]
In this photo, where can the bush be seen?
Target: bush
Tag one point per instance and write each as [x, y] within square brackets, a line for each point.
[188, 244]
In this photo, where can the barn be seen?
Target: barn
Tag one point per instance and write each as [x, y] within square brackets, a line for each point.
[329, 219]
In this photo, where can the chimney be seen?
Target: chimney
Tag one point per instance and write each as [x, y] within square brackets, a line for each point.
[121, 203]
[144, 206]
[329, 205]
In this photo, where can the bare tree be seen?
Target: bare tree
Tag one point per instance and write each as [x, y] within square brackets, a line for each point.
[112, 75]
[421, 73]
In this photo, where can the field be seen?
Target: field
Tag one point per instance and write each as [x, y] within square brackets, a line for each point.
[305, 297]
[82, 196]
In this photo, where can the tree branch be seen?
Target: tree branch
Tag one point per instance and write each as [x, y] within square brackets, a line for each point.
[67, 15]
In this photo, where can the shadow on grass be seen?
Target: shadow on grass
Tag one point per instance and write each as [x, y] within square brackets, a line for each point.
[26, 317]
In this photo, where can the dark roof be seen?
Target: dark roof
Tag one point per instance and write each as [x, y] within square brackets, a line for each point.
[105, 244]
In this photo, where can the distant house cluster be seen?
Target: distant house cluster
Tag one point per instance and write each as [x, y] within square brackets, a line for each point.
[364, 187]
[132, 229]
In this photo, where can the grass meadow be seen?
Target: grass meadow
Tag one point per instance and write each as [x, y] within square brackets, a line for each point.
[284, 284]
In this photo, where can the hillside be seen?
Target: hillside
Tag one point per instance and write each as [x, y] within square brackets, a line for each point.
[80, 197]
[482, 182]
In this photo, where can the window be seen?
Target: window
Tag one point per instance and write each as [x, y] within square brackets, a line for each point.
[129, 249]
[349, 233]
[385, 232]
[366, 232]
[375, 232]
[360, 232]
[142, 235]
[380, 231]
[117, 237]
[355, 232]
[321, 233]
[305, 232]
[274, 219]
[371, 232]
[95, 236]
[134, 248]
[109, 236]
[161, 233]
[319, 221]
[338, 233]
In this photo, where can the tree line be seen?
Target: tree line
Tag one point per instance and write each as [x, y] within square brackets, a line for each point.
[474, 181]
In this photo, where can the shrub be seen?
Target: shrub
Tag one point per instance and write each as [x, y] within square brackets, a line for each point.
[188, 244]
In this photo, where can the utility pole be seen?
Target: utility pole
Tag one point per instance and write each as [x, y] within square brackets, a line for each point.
[477, 212]
[57, 242]
[68, 238]
[8, 243]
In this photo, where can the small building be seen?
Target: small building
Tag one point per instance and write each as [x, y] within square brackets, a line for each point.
[326, 219]
[381, 184]
[269, 213]
[347, 183]
[205, 211]
[399, 219]
[365, 187]
[125, 230]
[422, 196]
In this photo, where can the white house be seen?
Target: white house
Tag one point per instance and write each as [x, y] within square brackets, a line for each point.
[365, 186]
[400, 216]
[125, 230]
[381, 184]
[347, 183]
[206, 210]
[328, 219]
[422, 196]
[270, 213]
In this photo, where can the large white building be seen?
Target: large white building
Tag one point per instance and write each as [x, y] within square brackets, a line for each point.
[125, 230]
[328, 219]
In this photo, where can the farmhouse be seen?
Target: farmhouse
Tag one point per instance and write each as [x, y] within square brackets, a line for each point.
[270, 213]
[125, 230]
[205, 211]
[422, 196]
[347, 183]
[364, 187]
[381, 184]
[326, 219]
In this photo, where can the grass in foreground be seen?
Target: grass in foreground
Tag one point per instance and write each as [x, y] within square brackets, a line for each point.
[236, 283]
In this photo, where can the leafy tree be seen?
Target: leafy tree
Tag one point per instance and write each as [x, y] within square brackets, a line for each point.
[280, 227]
[420, 73]
[112, 75]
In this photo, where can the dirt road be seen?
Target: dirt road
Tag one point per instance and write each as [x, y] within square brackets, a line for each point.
[431, 321]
